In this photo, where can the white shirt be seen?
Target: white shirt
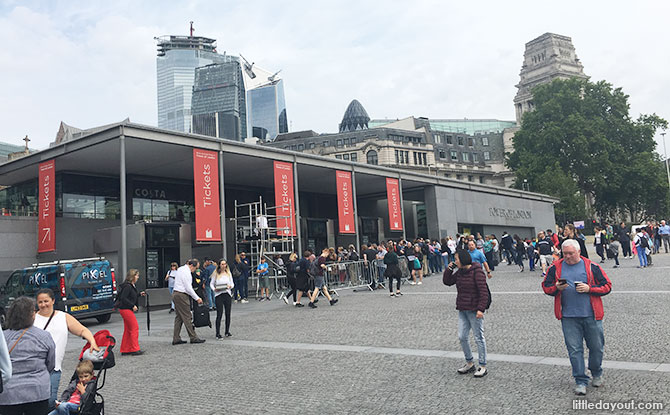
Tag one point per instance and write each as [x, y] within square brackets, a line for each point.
[451, 244]
[183, 281]
[221, 279]
[58, 331]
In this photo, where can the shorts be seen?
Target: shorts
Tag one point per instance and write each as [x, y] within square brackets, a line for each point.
[264, 281]
[546, 259]
[319, 281]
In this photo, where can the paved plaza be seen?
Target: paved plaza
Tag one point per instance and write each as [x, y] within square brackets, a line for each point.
[372, 354]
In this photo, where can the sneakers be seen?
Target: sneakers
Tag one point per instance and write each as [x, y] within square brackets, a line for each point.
[419, 283]
[285, 300]
[299, 305]
[197, 341]
[597, 381]
[616, 266]
[580, 390]
[219, 337]
[467, 368]
[312, 305]
[244, 301]
[174, 343]
[392, 295]
[481, 372]
[412, 283]
[229, 334]
[398, 294]
[235, 301]
[333, 301]
[268, 299]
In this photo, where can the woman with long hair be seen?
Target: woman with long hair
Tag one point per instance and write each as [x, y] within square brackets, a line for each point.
[58, 324]
[222, 283]
[169, 277]
[127, 303]
[291, 277]
[520, 248]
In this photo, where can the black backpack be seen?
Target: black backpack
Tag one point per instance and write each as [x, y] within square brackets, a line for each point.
[643, 241]
[314, 268]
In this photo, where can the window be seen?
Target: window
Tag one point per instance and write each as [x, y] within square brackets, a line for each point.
[450, 139]
[338, 156]
[312, 145]
[301, 147]
[437, 138]
[487, 155]
[466, 156]
[423, 156]
[471, 141]
[339, 142]
[406, 157]
[345, 156]
[346, 141]
[325, 143]
[471, 178]
[459, 177]
[454, 155]
[447, 175]
[287, 147]
[372, 157]
[481, 179]
[414, 154]
[353, 140]
[475, 157]
[399, 157]
[354, 157]
[485, 141]
[461, 141]
[395, 137]
[443, 154]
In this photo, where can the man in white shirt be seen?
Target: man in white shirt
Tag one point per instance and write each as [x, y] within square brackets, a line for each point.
[182, 304]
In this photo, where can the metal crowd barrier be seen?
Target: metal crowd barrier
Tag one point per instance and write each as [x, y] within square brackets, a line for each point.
[351, 274]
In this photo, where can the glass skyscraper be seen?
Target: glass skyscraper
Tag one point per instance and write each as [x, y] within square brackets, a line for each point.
[178, 56]
[219, 101]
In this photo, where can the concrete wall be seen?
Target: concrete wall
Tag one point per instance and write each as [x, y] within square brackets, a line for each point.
[18, 246]
[447, 207]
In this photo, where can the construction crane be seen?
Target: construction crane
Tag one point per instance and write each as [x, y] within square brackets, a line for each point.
[248, 67]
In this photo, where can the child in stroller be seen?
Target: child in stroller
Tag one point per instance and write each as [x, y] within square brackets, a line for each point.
[90, 402]
[83, 385]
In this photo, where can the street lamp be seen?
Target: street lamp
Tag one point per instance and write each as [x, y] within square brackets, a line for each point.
[525, 186]
[665, 154]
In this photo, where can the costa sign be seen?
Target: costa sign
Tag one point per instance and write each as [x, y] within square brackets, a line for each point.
[284, 198]
[206, 185]
[345, 204]
[395, 209]
[46, 222]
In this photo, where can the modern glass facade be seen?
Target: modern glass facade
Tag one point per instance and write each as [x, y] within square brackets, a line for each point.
[219, 101]
[464, 126]
[267, 111]
[178, 56]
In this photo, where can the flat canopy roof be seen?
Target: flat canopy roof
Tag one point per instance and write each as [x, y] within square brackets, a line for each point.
[168, 154]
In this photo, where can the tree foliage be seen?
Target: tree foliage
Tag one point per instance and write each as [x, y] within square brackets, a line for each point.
[580, 144]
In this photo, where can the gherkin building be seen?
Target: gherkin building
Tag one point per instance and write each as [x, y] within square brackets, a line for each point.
[355, 118]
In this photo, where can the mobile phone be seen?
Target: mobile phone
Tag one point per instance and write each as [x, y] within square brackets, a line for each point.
[562, 281]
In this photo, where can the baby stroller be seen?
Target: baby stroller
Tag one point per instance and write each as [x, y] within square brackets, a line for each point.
[92, 403]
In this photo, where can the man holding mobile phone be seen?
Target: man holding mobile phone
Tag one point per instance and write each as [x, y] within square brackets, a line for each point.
[577, 286]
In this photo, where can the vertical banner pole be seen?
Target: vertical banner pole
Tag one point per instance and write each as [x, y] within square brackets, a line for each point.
[296, 205]
[402, 208]
[223, 205]
[124, 209]
[353, 191]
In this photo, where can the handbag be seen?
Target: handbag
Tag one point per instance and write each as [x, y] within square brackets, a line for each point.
[236, 272]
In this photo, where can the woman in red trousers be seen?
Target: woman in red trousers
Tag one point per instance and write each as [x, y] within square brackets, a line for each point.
[127, 304]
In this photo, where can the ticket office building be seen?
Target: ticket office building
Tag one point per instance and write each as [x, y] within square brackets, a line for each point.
[155, 168]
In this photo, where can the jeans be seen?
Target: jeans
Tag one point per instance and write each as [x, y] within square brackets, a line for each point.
[446, 259]
[509, 254]
[209, 296]
[616, 259]
[54, 379]
[244, 286]
[65, 408]
[642, 256]
[531, 262]
[171, 302]
[576, 331]
[468, 320]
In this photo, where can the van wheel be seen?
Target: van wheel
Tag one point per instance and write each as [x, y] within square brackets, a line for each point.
[3, 319]
[103, 318]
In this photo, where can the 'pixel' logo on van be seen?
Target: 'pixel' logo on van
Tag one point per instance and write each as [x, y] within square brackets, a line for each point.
[37, 279]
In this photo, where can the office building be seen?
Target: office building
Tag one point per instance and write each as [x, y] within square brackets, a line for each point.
[219, 101]
[265, 102]
[178, 56]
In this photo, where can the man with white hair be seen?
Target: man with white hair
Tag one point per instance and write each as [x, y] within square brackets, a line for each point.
[577, 285]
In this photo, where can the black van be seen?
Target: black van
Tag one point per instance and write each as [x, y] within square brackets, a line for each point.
[84, 287]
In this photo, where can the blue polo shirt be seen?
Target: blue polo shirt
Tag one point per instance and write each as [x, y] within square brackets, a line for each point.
[477, 257]
[575, 304]
[664, 230]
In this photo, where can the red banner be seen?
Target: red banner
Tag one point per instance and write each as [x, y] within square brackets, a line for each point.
[46, 222]
[206, 185]
[345, 204]
[284, 198]
[395, 209]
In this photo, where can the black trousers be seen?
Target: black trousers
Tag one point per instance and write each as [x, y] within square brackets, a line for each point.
[393, 272]
[293, 283]
[29, 408]
[625, 248]
[223, 301]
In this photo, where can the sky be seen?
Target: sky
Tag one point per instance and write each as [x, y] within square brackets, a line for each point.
[90, 63]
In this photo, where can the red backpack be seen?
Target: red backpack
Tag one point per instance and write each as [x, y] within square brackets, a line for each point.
[104, 359]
